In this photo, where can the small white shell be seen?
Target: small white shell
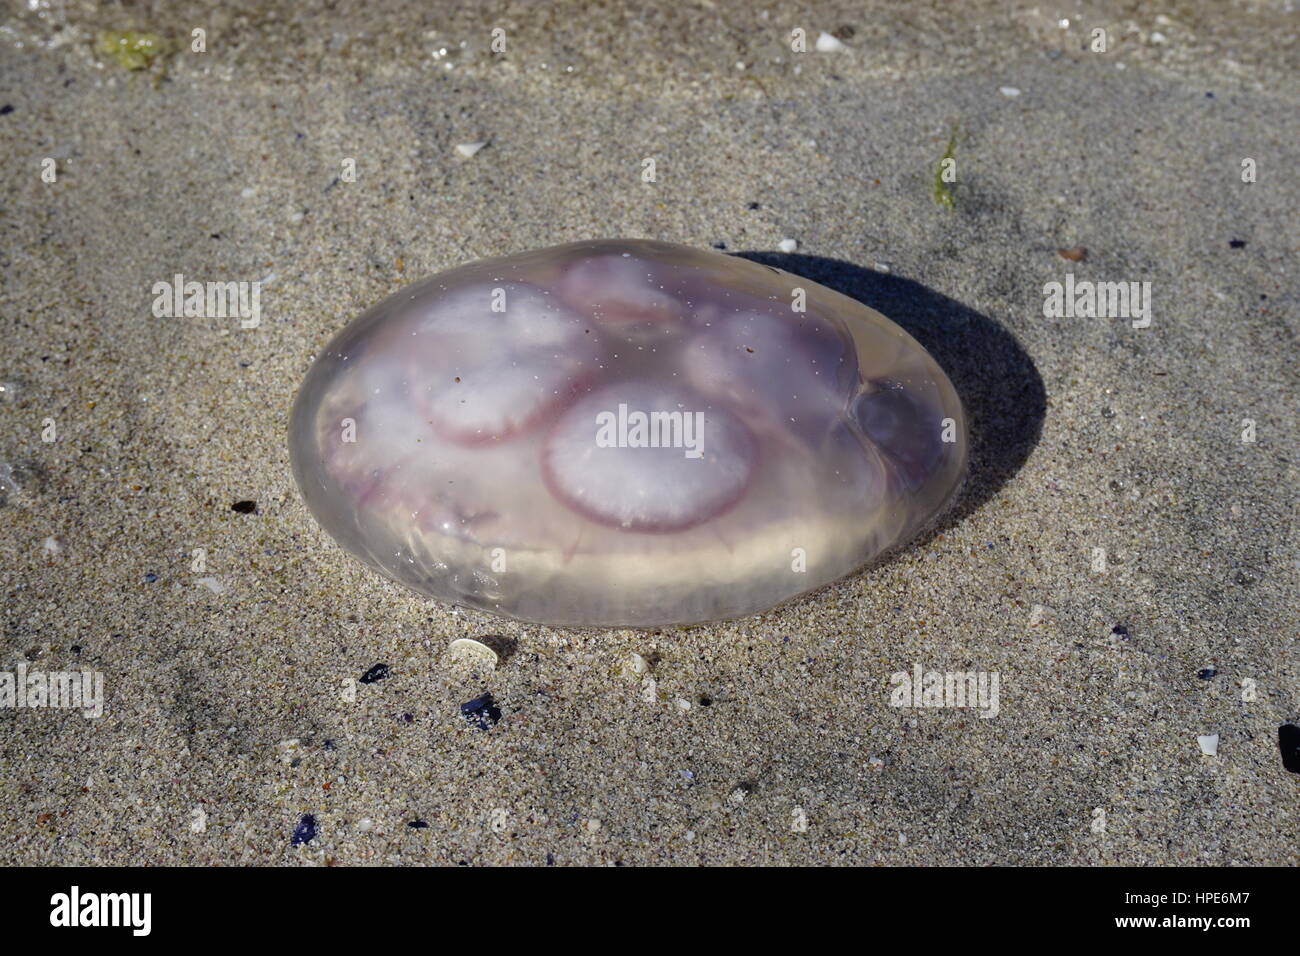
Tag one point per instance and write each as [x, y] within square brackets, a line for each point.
[472, 653]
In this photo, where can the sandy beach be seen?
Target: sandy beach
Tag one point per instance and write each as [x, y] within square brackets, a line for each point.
[1123, 556]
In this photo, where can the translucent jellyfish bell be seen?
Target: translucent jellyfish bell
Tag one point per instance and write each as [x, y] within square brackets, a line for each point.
[623, 432]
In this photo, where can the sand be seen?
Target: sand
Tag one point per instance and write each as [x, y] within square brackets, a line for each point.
[1122, 559]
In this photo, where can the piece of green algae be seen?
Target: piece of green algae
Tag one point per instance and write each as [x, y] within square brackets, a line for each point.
[132, 50]
[942, 190]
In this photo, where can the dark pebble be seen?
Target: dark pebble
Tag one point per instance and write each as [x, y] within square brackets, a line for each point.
[1288, 741]
[6, 109]
[753, 205]
[482, 711]
[244, 507]
[418, 825]
[1119, 630]
[1237, 243]
[150, 578]
[378, 672]
[306, 831]
[1207, 673]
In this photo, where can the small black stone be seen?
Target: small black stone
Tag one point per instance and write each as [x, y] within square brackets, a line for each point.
[719, 245]
[753, 205]
[6, 109]
[418, 825]
[482, 711]
[706, 701]
[1206, 673]
[1119, 630]
[244, 507]
[306, 830]
[1237, 243]
[378, 672]
[1288, 741]
[150, 578]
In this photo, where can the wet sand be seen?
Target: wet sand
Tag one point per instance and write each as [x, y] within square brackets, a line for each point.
[1122, 559]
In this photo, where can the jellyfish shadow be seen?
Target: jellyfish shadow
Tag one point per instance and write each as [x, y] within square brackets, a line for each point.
[999, 387]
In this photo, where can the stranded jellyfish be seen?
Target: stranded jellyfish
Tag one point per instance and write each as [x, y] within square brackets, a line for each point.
[623, 433]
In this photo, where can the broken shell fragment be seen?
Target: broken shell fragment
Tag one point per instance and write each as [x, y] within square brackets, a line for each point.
[471, 653]
[623, 432]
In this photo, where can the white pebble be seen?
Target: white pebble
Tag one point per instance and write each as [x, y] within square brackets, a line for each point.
[469, 149]
[649, 691]
[683, 705]
[635, 665]
[52, 545]
[1158, 37]
[214, 585]
[788, 245]
[1209, 744]
[828, 44]
[468, 651]
[1010, 91]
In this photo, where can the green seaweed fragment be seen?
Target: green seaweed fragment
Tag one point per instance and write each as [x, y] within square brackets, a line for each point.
[942, 192]
[132, 50]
